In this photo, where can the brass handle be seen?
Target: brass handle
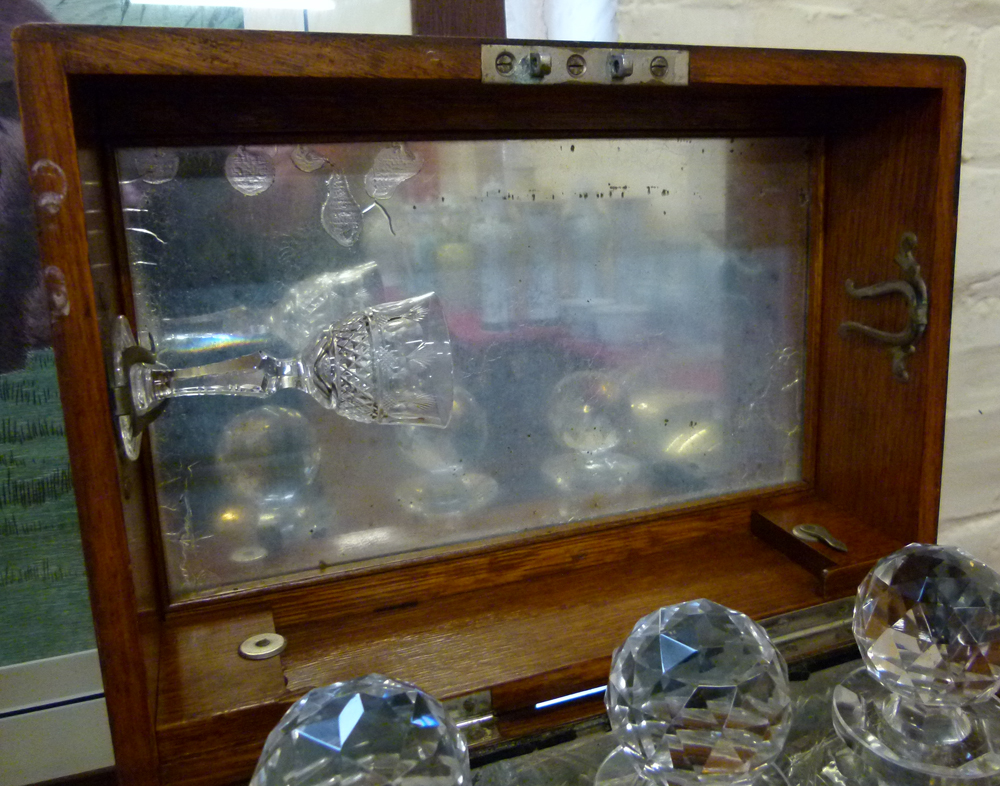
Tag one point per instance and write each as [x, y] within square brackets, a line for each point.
[913, 288]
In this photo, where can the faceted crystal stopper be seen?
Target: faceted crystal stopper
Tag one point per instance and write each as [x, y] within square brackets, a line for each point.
[698, 694]
[927, 621]
[918, 714]
[371, 731]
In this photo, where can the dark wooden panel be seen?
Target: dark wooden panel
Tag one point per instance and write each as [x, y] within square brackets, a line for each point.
[97, 50]
[103, 234]
[194, 52]
[523, 694]
[723, 65]
[471, 641]
[204, 674]
[166, 110]
[482, 18]
[210, 698]
[217, 750]
[105, 777]
[942, 251]
[522, 723]
[414, 579]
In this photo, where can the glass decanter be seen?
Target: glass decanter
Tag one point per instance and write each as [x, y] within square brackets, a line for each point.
[448, 483]
[588, 413]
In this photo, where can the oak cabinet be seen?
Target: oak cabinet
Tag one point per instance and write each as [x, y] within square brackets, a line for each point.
[642, 255]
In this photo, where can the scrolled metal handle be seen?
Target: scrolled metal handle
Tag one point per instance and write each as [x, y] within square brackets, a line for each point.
[912, 287]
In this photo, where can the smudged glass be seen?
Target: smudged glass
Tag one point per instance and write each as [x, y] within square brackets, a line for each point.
[627, 322]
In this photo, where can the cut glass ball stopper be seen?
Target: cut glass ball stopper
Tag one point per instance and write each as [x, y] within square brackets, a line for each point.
[927, 622]
[371, 731]
[699, 695]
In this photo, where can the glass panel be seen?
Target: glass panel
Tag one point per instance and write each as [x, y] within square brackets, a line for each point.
[626, 318]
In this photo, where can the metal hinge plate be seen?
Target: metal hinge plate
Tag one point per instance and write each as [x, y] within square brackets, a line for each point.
[473, 714]
[597, 65]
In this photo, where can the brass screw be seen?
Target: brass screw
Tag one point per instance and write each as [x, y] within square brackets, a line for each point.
[505, 63]
[576, 65]
[658, 66]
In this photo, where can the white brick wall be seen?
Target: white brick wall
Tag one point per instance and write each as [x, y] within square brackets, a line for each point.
[970, 502]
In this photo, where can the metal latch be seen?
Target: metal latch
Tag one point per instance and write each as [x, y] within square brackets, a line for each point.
[556, 65]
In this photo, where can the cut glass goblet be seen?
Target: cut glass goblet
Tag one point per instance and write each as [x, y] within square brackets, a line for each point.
[389, 364]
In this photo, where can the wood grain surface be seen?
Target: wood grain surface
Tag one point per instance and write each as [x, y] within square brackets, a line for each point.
[534, 640]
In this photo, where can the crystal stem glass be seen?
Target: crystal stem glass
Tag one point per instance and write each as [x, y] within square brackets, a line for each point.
[389, 363]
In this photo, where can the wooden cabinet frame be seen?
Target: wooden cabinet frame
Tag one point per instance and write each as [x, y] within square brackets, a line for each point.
[537, 615]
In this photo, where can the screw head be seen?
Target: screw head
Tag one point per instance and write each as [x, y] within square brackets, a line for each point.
[505, 63]
[658, 66]
[576, 65]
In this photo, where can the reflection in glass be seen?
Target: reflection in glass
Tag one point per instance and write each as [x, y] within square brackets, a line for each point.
[270, 458]
[448, 483]
[587, 414]
[670, 273]
[303, 310]
[678, 432]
